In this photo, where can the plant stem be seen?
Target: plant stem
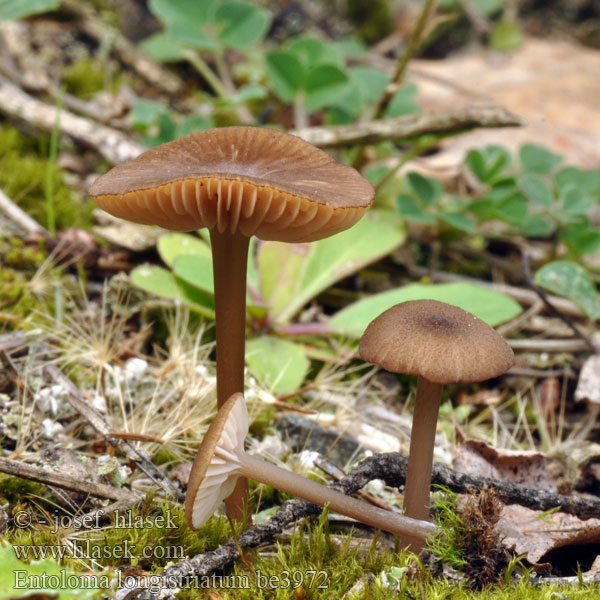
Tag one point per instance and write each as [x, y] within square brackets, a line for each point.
[300, 115]
[290, 482]
[230, 260]
[200, 65]
[409, 52]
[51, 167]
[420, 458]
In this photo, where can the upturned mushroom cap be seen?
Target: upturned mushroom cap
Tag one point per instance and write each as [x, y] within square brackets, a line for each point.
[216, 469]
[438, 341]
[259, 181]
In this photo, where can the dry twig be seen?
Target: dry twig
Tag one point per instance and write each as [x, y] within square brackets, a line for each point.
[99, 424]
[391, 468]
[408, 126]
[113, 145]
[19, 468]
[19, 216]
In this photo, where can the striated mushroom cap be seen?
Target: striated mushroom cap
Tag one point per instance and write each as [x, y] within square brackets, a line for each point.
[255, 180]
[437, 341]
[216, 468]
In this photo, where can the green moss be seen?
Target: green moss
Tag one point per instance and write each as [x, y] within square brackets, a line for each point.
[23, 165]
[84, 78]
[15, 489]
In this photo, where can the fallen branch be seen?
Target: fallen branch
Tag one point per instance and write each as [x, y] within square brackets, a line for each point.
[98, 490]
[408, 126]
[375, 467]
[391, 468]
[113, 145]
[18, 215]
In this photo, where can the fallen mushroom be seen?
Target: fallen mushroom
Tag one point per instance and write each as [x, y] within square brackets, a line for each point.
[221, 459]
[441, 344]
[237, 182]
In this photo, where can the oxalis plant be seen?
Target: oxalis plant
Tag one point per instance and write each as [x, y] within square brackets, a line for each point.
[533, 195]
[284, 278]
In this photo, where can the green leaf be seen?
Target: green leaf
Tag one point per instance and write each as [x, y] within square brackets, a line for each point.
[323, 262]
[163, 47]
[241, 24]
[587, 181]
[571, 280]
[489, 163]
[196, 270]
[537, 159]
[536, 189]
[403, 102]
[163, 283]
[512, 210]
[490, 306]
[581, 238]
[370, 82]
[249, 93]
[537, 226]
[506, 36]
[287, 74]
[457, 220]
[194, 123]
[145, 112]
[167, 131]
[410, 210]
[16, 579]
[279, 364]
[189, 33]
[574, 201]
[428, 189]
[172, 245]
[488, 7]
[13, 10]
[176, 11]
[312, 52]
[324, 84]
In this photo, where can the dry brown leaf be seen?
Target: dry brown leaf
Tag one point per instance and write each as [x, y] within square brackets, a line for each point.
[525, 467]
[554, 86]
[529, 535]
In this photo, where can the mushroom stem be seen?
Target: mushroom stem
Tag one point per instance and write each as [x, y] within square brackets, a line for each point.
[290, 482]
[420, 458]
[230, 261]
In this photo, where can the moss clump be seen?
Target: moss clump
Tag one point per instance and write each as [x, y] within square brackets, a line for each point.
[84, 78]
[14, 489]
[468, 541]
[23, 167]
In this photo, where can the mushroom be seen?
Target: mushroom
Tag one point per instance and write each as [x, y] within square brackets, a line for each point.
[221, 459]
[237, 182]
[441, 344]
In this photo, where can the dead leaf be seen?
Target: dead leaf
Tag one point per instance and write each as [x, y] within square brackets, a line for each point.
[528, 535]
[538, 82]
[525, 467]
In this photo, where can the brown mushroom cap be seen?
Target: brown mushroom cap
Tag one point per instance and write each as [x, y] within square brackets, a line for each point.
[214, 474]
[438, 341]
[259, 181]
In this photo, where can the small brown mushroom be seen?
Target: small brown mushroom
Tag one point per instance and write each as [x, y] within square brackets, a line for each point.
[221, 459]
[441, 344]
[237, 182]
